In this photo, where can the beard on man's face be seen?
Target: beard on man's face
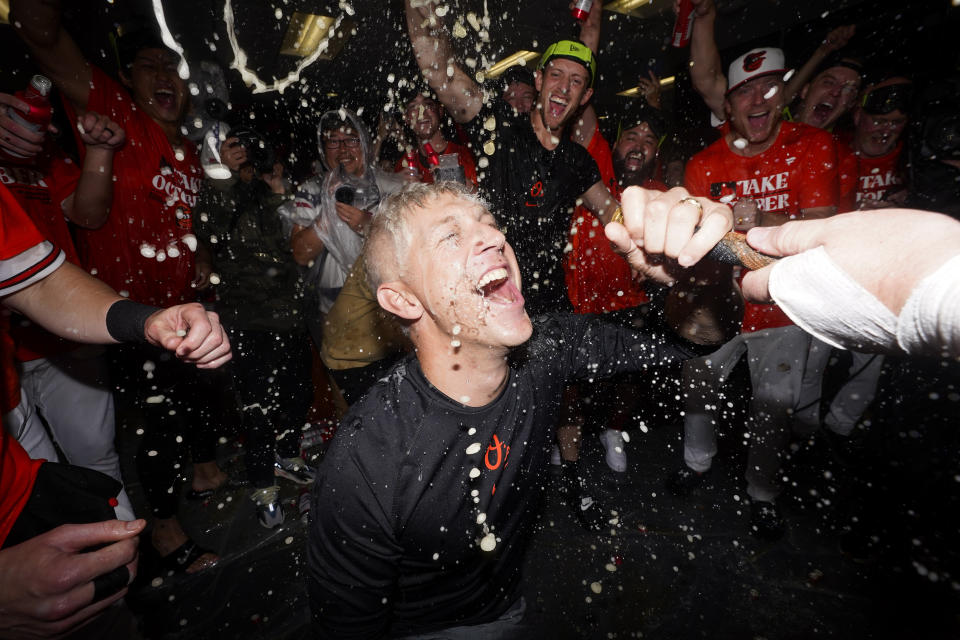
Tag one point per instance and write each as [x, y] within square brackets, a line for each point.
[632, 177]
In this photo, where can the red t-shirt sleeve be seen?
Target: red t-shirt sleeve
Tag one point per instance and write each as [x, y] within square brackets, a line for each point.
[17, 231]
[820, 186]
[25, 257]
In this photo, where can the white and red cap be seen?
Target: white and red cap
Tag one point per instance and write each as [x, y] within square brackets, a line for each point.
[755, 63]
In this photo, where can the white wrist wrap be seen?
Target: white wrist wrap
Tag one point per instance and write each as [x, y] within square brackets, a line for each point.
[930, 319]
[827, 303]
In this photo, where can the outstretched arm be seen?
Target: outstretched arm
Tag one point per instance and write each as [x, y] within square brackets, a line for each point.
[75, 305]
[601, 202]
[706, 68]
[69, 303]
[879, 281]
[38, 22]
[458, 92]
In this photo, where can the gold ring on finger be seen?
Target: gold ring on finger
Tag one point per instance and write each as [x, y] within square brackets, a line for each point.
[694, 202]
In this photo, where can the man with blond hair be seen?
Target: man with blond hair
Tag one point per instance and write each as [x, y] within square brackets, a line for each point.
[430, 489]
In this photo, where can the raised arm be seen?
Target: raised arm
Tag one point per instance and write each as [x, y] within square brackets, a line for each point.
[585, 125]
[836, 39]
[458, 92]
[38, 22]
[706, 68]
[89, 206]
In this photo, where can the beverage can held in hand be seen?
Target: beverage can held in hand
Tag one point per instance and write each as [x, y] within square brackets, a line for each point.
[683, 27]
[37, 119]
[581, 10]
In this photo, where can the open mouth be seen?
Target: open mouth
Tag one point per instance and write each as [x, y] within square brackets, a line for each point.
[495, 286]
[557, 106]
[822, 111]
[635, 160]
[165, 98]
[758, 121]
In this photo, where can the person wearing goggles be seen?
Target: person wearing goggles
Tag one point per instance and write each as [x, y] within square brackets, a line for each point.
[870, 165]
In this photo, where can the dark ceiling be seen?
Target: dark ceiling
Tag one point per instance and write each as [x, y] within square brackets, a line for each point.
[918, 36]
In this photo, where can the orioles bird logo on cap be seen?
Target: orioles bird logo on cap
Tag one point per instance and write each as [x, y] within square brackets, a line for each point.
[753, 61]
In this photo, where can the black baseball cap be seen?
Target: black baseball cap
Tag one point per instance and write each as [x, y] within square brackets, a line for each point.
[636, 112]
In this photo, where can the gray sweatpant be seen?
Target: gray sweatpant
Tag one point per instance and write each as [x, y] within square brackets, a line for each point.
[786, 371]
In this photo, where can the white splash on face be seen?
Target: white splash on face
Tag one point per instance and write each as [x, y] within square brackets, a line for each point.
[466, 276]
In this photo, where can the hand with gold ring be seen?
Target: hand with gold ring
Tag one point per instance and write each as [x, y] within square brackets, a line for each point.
[672, 225]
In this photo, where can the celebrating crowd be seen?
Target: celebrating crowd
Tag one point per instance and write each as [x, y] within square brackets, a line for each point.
[483, 272]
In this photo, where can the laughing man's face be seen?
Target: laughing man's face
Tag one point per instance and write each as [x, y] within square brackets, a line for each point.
[157, 87]
[754, 109]
[564, 87]
[829, 96]
[634, 154]
[465, 275]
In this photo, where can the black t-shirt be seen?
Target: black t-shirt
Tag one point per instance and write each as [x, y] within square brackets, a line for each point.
[533, 192]
[396, 544]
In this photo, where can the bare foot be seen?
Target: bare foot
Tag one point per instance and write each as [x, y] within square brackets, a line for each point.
[207, 475]
[168, 536]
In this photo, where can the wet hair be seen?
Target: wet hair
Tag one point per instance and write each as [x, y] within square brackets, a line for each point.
[406, 95]
[389, 235]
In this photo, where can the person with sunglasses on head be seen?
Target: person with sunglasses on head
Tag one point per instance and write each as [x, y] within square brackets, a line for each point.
[871, 170]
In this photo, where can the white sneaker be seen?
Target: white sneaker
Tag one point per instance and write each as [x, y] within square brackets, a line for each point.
[555, 456]
[613, 444]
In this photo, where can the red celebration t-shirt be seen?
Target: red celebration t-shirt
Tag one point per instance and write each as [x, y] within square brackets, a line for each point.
[799, 171]
[145, 249]
[40, 187]
[25, 258]
[598, 280]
